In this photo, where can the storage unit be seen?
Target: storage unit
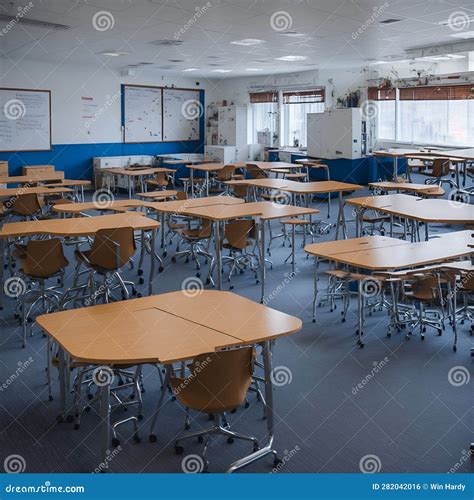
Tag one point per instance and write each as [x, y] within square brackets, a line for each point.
[336, 133]
[232, 130]
[101, 162]
[221, 154]
[36, 169]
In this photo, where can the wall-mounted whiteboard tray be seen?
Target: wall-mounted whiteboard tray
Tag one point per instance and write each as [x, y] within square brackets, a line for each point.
[142, 113]
[25, 120]
[182, 111]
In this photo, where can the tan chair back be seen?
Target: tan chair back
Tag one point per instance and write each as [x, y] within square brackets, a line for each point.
[240, 190]
[44, 258]
[181, 195]
[440, 167]
[225, 174]
[255, 172]
[112, 248]
[27, 204]
[219, 381]
[237, 232]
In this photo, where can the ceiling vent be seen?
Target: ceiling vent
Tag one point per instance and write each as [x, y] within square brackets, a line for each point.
[168, 43]
[34, 23]
[390, 21]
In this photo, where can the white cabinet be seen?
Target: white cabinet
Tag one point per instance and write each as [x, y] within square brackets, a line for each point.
[221, 154]
[232, 129]
[101, 162]
[336, 133]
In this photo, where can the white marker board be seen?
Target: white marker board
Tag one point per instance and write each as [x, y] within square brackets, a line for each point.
[182, 110]
[142, 114]
[25, 120]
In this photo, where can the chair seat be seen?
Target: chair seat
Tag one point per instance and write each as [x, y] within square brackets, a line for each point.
[156, 182]
[295, 222]
[295, 176]
[237, 177]
[373, 219]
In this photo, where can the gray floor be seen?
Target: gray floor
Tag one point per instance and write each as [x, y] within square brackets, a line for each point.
[408, 415]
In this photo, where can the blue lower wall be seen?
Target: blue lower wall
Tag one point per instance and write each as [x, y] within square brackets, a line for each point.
[76, 159]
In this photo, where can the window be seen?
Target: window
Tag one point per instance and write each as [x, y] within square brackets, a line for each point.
[264, 123]
[296, 105]
[442, 115]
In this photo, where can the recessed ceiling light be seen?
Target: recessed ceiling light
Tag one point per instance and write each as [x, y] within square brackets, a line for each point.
[464, 34]
[253, 69]
[291, 58]
[175, 60]
[248, 41]
[190, 69]
[112, 53]
[167, 43]
[221, 70]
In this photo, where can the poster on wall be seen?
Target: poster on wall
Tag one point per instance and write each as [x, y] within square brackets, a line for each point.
[25, 120]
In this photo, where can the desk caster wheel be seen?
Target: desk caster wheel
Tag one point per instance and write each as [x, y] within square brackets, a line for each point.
[455, 349]
[136, 438]
[50, 398]
[140, 272]
[141, 281]
[115, 442]
[173, 259]
[230, 440]
[200, 439]
[179, 450]
[69, 419]
[152, 438]
[256, 447]
[161, 269]
[314, 320]
[277, 462]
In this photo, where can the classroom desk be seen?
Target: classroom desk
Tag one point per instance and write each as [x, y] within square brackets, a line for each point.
[41, 190]
[164, 329]
[79, 226]
[305, 189]
[272, 165]
[395, 154]
[72, 183]
[206, 168]
[388, 254]
[262, 211]
[457, 157]
[158, 195]
[136, 173]
[181, 207]
[53, 175]
[415, 209]
[404, 186]
[88, 206]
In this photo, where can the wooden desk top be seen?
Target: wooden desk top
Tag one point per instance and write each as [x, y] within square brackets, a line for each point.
[299, 187]
[164, 328]
[33, 178]
[396, 152]
[18, 191]
[75, 208]
[461, 154]
[137, 172]
[270, 165]
[183, 206]
[154, 195]
[449, 247]
[421, 209]
[69, 183]
[404, 186]
[206, 167]
[78, 226]
[312, 162]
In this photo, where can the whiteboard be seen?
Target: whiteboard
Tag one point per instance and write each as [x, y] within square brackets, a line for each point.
[182, 110]
[25, 120]
[142, 117]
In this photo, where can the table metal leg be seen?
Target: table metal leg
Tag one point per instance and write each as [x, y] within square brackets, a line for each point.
[207, 182]
[217, 238]
[192, 182]
[262, 257]
[62, 384]
[427, 231]
[2, 263]
[267, 449]
[153, 261]
[129, 187]
[395, 168]
[163, 239]
[360, 305]
[315, 296]
[105, 416]
[341, 218]
[159, 406]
